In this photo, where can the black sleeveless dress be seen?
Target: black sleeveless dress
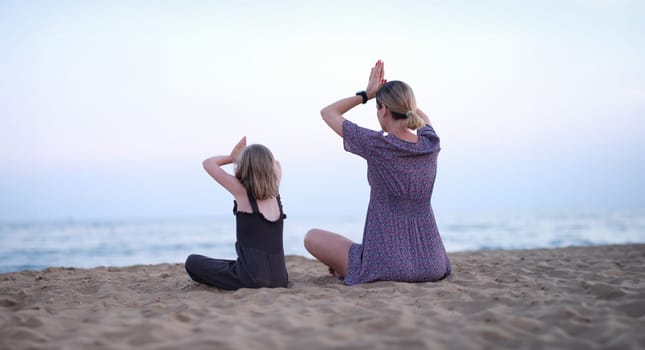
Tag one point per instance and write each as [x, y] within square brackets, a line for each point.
[260, 252]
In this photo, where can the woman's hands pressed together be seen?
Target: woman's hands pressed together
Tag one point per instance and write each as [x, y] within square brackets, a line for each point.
[376, 79]
[333, 114]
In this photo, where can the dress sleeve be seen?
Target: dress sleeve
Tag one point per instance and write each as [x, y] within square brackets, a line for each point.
[358, 140]
[428, 132]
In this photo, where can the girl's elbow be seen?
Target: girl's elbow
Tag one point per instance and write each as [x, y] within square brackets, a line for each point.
[206, 164]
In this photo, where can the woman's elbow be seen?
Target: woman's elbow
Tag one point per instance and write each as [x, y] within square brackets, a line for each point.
[330, 117]
[326, 113]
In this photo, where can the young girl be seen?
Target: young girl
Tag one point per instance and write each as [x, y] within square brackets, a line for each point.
[259, 219]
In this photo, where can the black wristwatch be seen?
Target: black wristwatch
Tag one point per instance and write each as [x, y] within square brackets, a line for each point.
[364, 94]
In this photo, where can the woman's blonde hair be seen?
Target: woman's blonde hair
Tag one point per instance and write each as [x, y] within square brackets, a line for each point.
[256, 170]
[399, 99]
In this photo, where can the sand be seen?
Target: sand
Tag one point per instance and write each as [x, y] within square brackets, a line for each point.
[569, 298]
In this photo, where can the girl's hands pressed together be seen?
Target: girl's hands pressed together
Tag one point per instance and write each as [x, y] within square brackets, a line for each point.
[238, 149]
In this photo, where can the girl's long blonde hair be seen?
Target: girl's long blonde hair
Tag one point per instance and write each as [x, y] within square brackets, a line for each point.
[399, 99]
[255, 169]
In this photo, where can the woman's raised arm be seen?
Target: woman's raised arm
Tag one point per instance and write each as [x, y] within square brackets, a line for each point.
[333, 114]
[423, 116]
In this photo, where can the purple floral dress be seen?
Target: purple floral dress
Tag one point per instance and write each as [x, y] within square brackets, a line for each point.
[401, 241]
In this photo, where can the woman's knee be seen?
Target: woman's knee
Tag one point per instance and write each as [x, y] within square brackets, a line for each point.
[311, 239]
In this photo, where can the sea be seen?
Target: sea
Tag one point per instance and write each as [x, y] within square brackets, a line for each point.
[92, 243]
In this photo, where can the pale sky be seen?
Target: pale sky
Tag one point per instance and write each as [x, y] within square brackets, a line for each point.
[108, 107]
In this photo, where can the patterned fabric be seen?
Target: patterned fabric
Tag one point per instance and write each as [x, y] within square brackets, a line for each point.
[401, 241]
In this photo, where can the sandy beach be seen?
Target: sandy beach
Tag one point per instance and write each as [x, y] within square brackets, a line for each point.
[568, 298]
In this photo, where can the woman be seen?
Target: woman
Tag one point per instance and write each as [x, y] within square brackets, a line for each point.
[401, 241]
[259, 222]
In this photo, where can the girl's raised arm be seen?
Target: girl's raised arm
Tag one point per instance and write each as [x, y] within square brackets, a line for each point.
[213, 167]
